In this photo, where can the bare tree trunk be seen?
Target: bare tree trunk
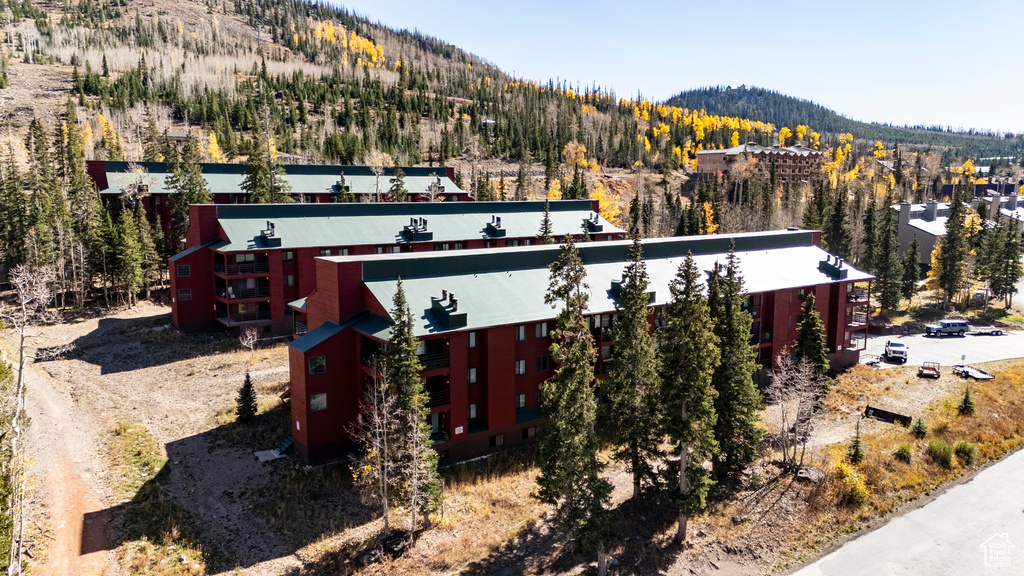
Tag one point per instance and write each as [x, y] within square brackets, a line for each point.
[602, 563]
[635, 454]
[684, 488]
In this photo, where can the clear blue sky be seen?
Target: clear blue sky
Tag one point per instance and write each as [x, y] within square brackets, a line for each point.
[899, 61]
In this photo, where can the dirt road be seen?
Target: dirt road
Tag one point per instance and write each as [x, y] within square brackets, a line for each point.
[61, 445]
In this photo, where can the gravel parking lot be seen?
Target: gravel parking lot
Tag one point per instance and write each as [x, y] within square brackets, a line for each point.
[950, 350]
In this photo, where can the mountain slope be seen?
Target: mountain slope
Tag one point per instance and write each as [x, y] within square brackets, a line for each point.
[783, 110]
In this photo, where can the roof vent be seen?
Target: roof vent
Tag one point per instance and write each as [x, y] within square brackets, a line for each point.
[417, 231]
[593, 223]
[446, 309]
[494, 227]
[835, 270]
[269, 236]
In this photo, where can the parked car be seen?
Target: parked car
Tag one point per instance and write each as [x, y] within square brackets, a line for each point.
[896, 351]
[946, 327]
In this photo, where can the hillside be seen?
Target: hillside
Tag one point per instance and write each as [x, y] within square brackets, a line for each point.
[783, 110]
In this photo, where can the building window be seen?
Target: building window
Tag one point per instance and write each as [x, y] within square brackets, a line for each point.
[541, 363]
[472, 411]
[287, 256]
[520, 400]
[497, 440]
[487, 243]
[440, 246]
[245, 258]
[389, 249]
[458, 246]
[472, 339]
[184, 270]
[289, 279]
[529, 432]
[318, 402]
[520, 366]
[520, 333]
[317, 364]
[184, 295]
[801, 294]
[512, 243]
[472, 375]
[542, 329]
[526, 242]
[343, 252]
[325, 251]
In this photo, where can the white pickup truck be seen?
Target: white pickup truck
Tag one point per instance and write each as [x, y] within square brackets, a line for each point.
[896, 351]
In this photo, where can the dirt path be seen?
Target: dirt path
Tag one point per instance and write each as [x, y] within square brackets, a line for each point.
[61, 446]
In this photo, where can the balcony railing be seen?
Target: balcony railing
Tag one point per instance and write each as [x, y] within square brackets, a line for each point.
[857, 295]
[857, 319]
[755, 311]
[434, 361]
[300, 327]
[240, 293]
[237, 318]
[244, 268]
[766, 337]
[439, 437]
[439, 398]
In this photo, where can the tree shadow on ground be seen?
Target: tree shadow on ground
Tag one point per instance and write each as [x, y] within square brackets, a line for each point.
[214, 495]
[126, 344]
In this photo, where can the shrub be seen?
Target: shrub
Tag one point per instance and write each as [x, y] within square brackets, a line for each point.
[941, 451]
[246, 403]
[965, 451]
[966, 407]
[852, 489]
[919, 429]
[904, 452]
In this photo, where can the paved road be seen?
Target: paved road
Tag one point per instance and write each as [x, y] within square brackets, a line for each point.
[965, 531]
[948, 350]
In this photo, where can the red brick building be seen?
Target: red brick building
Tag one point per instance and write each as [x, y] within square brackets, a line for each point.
[794, 162]
[484, 326]
[245, 263]
[312, 183]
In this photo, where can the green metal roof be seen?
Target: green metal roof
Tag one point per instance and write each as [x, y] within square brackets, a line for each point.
[310, 225]
[496, 295]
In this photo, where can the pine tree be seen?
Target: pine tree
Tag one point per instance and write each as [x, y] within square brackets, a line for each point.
[810, 340]
[837, 233]
[151, 151]
[632, 387]
[966, 407]
[147, 245]
[545, 225]
[738, 402]
[398, 192]
[888, 264]
[911, 269]
[953, 267]
[14, 213]
[569, 468]
[128, 256]
[187, 185]
[421, 485]
[870, 240]
[521, 186]
[855, 453]
[689, 356]
[245, 403]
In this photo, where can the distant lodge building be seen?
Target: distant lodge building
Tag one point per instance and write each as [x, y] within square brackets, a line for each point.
[791, 163]
[309, 184]
[1003, 188]
[484, 327]
[244, 263]
[927, 222]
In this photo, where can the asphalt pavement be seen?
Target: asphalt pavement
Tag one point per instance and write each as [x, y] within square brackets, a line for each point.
[951, 350]
[975, 528]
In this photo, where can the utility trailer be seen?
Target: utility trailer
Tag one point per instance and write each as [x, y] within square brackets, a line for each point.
[929, 370]
[971, 372]
[987, 331]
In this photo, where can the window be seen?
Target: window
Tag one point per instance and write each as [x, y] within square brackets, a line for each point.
[317, 364]
[497, 440]
[325, 251]
[472, 375]
[520, 366]
[512, 243]
[526, 242]
[520, 400]
[289, 279]
[458, 246]
[245, 258]
[184, 270]
[388, 249]
[318, 402]
[421, 348]
[184, 295]
[487, 243]
[472, 411]
[542, 329]
[541, 363]
[520, 333]
[529, 432]
[801, 294]
[441, 246]
[287, 256]
[342, 251]
[472, 339]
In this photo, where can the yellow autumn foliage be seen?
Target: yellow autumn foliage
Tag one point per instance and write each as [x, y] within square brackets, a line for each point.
[607, 203]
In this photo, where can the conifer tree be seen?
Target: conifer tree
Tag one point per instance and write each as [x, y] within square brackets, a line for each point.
[185, 179]
[736, 430]
[888, 265]
[911, 269]
[151, 259]
[569, 468]
[245, 403]
[484, 193]
[632, 386]
[521, 186]
[869, 243]
[837, 233]
[128, 256]
[14, 213]
[421, 485]
[810, 340]
[689, 356]
[151, 149]
[398, 192]
[545, 225]
[855, 453]
[264, 180]
[966, 407]
[954, 249]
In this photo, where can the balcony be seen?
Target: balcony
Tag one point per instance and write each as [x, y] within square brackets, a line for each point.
[434, 361]
[528, 415]
[242, 293]
[755, 311]
[300, 327]
[439, 437]
[243, 268]
[439, 398]
[242, 317]
[857, 296]
[766, 337]
[857, 319]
